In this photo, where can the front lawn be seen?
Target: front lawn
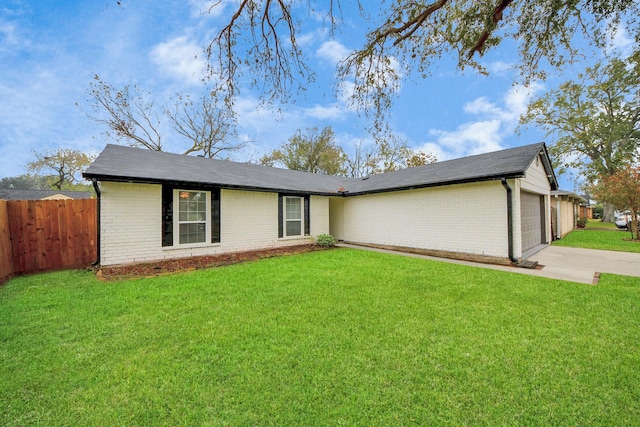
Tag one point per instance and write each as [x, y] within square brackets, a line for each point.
[340, 337]
[596, 224]
[613, 240]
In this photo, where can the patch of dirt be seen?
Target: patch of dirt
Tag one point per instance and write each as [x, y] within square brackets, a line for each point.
[149, 269]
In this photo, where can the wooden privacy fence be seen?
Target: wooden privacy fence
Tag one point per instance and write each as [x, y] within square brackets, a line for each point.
[43, 235]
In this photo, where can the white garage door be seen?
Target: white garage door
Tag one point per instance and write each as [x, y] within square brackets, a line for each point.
[531, 220]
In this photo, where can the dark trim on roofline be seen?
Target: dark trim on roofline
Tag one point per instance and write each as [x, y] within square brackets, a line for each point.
[199, 184]
[437, 184]
[302, 193]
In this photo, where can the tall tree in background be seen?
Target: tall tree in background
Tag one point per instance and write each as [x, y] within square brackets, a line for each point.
[128, 114]
[385, 155]
[313, 151]
[25, 182]
[594, 122]
[395, 154]
[131, 114]
[65, 163]
[363, 162]
[319, 153]
[261, 39]
[622, 189]
[210, 129]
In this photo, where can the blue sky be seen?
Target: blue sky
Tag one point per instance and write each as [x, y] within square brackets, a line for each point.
[50, 51]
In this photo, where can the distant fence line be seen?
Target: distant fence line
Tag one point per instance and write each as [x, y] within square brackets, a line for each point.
[45, 235]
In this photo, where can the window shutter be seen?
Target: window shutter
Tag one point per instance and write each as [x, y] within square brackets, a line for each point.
[307, 222]
[167, 215]
[280, 217]
[215, 215]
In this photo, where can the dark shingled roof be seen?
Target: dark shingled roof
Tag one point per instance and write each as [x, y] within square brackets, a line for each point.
[13, 194]
[510, 163]
[118, 163]
[126, 164]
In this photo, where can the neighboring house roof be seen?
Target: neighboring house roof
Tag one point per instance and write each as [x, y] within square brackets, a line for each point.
[569, 195]
[12, 194]
[126, 164]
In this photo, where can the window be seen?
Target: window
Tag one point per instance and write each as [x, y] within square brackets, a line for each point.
[191, 215]
[293, 215]
[193, 218]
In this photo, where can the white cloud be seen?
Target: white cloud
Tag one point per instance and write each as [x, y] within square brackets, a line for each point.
[468, 139]
[180, 58]
[332, 51]
[486, 133]
[8, 34]
[331, 112]
[619, 40]
[481, 106]
[515, 104]
[500, 68]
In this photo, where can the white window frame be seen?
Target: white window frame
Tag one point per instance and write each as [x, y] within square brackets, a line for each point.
[285, 220]
[177, 222]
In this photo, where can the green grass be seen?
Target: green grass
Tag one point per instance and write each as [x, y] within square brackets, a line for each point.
[596, 224]
[339, 337]
[600, 239]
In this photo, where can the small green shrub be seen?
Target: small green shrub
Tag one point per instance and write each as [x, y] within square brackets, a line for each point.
[326, 240]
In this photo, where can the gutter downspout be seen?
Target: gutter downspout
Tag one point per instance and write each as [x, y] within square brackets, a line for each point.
[509, 219]
[98, 194]
[559, 219]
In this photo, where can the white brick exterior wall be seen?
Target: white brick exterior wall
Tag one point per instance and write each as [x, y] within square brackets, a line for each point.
[467, 218]
[319, 215]
[130, 223]
[336, 217]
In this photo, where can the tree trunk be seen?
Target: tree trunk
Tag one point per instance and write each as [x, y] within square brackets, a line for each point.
[608, 215]
[634, 225]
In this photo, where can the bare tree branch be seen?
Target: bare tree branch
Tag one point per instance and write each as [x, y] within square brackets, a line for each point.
[209, 128]
[126, 113]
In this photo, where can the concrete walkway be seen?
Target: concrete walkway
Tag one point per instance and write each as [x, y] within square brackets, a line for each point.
[567, 263]
[571, 264]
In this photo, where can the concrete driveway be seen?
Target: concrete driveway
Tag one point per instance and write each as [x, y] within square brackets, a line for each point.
[572, 264]
[585, 265]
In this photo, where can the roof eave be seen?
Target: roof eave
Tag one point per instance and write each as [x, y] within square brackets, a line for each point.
[548, 167]
[438, 184]
[156, 181]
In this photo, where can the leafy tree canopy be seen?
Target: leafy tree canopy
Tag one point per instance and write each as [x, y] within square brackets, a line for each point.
[386, 155]
[593, 122]
[315, 152]
[318, 152]
[622, 189]
[261, 39]
[25, 182]
[65, 163]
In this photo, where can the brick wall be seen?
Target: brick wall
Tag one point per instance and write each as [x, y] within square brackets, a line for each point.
[131, 224]
[319, 215]
[467, 218]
